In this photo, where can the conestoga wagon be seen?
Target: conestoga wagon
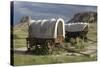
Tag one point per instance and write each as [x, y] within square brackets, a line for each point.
[74, 30]
[45, 35]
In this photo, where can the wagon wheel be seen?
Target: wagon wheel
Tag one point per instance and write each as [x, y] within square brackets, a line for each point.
[27, 44]
[30, 44]
[46, 47]
[52, 46]
[37, 49]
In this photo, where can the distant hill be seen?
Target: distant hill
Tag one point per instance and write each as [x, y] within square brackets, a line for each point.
[89, 17]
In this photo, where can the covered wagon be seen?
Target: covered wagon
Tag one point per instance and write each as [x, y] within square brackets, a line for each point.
[74, 30]
[45, 34]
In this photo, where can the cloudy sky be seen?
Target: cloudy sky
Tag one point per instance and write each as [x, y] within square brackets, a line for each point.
[48, 10]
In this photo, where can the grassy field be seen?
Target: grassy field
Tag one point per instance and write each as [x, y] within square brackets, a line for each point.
[22, 59]
[34, 60]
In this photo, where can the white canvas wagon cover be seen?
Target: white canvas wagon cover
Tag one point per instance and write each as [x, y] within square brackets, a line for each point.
[46, 28]
[74, 27]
